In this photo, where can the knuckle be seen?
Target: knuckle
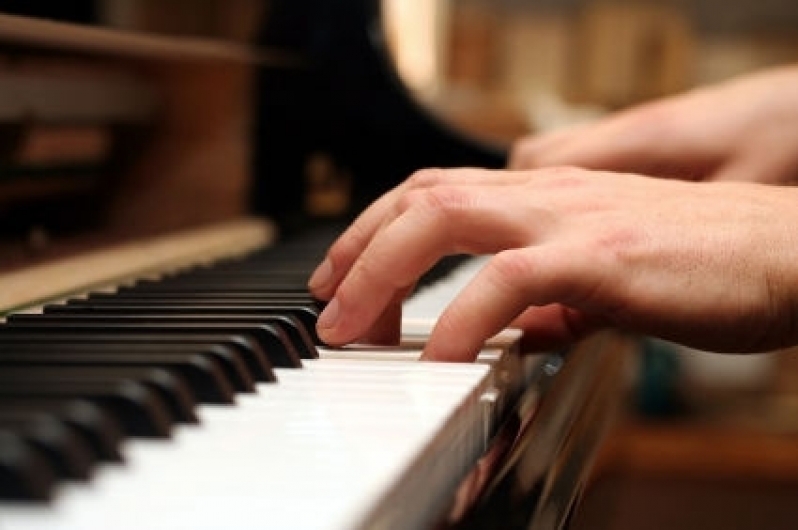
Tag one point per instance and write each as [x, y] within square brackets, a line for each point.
[565, 177]
[619, 242]
[375, 272]
[338, 252]
[510, 268]
[347, 247]
[367, 268]
[424, 178]
[442, 201]
[450, 321]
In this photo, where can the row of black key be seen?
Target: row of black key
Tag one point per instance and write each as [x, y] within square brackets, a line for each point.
[80, 378]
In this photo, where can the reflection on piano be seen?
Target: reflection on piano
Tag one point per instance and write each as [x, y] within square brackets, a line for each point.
[176, 381]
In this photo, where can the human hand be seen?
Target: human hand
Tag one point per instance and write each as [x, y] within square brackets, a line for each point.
[711, 265]
[744, 130]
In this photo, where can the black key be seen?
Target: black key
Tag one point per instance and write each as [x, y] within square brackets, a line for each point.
[202, 374]
[224, 298]
[230, 277]
[214, 288]
[234, 371]
[296, 320]
[250, 352]
[101, 432]
[25, 474]
[63, 446]
[250, 274]
[270, 338]
[138, 406]
[233, 364]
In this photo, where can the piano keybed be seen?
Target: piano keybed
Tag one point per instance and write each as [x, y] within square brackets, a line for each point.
[207, 388]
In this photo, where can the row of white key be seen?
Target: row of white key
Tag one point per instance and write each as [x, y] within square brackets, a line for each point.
[357, 439]
[319, 449]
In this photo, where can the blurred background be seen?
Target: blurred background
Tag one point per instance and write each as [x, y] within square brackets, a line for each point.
[505, 67]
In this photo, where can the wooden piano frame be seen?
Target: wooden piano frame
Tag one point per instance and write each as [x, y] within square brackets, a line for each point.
[192, 171]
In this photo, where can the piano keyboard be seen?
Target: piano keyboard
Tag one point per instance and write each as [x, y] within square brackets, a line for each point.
[202, 399]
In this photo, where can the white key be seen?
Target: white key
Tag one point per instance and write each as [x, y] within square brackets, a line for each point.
[320, 449]
[348, 442]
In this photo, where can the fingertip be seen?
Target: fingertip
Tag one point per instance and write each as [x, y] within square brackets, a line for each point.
[320, 280]
[448, 353]
[326, 324]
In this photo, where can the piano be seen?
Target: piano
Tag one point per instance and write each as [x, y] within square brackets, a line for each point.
[158, 361]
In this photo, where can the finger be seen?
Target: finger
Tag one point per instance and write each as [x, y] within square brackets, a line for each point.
[525, 152]
[436, 222]
[387, 330]
[348, 247]
[510, 282]
[343, 252]
[619, 143]
[377, 277]
[554, 326]
[778, 167]
[650, 140]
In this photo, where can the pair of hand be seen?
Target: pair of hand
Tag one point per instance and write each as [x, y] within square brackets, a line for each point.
[586, 236]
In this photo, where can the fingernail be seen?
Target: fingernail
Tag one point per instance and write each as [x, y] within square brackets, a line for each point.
[321, 276]
[329, 316]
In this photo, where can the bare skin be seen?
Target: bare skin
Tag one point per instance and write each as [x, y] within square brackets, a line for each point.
[743, 130]
[710, 265]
